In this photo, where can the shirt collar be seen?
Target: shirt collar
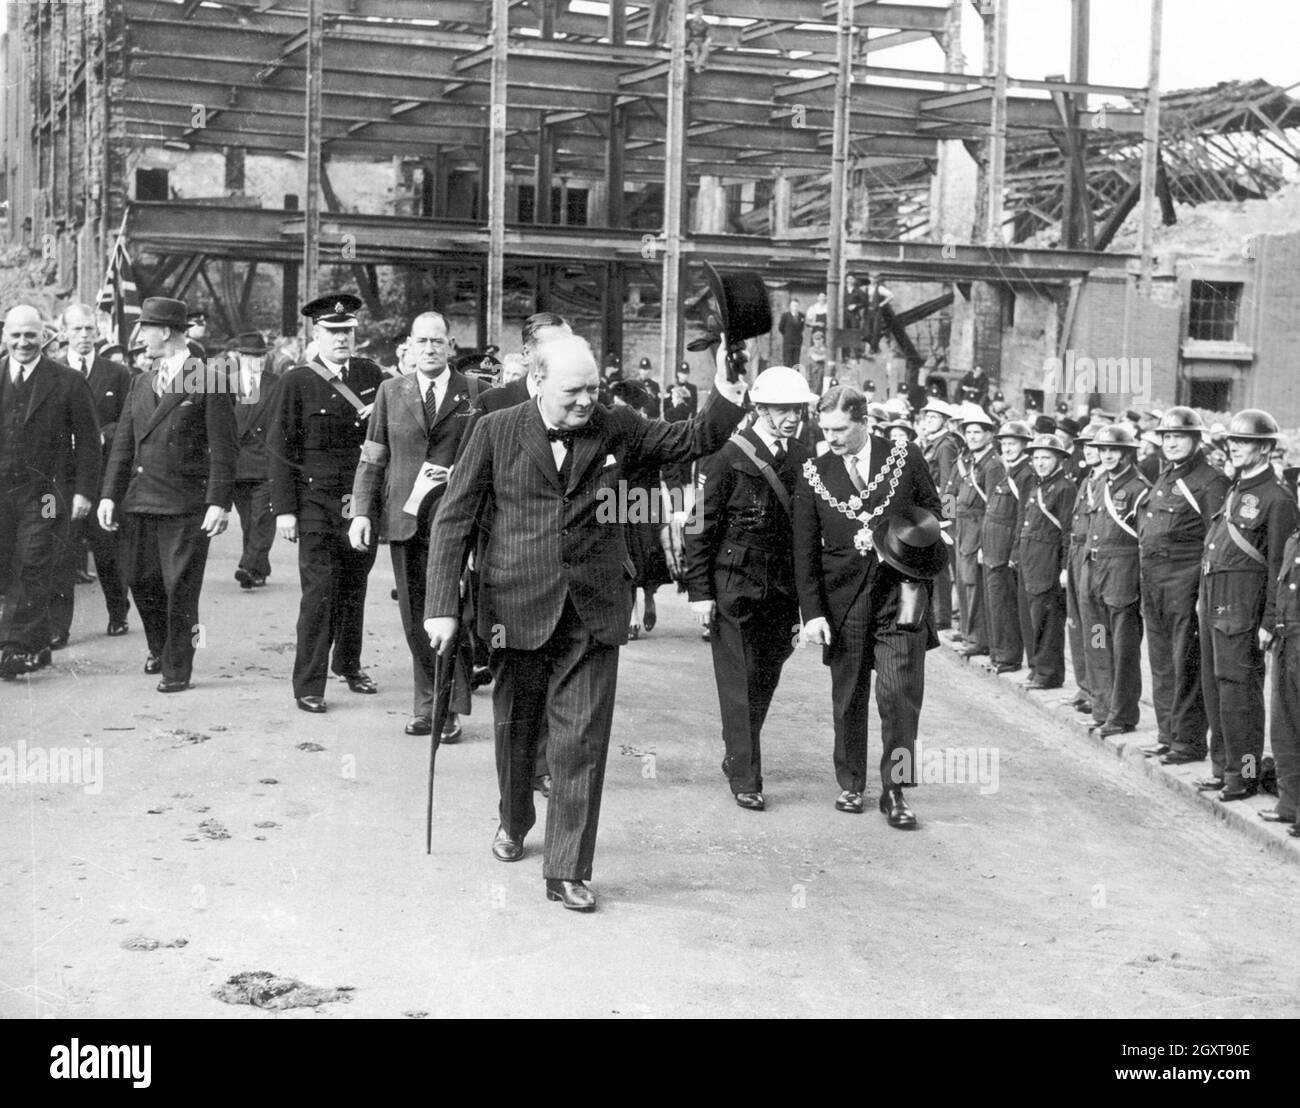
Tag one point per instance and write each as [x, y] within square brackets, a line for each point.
[769, 440]
[335, 368]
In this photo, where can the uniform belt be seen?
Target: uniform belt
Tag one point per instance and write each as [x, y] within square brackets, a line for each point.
[1110, 551]
[1174, 550]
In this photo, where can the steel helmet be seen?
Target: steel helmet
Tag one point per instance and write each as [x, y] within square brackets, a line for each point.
[973, 413]
[1115, 434]
[781, 385]
[1015, 429]
[1186, 421]
[1049, 442]
[942, 407]
[897, 406]
[1089, 433]
[1253, 423]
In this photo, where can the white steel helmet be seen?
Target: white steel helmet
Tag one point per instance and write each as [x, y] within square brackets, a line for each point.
[781, 385]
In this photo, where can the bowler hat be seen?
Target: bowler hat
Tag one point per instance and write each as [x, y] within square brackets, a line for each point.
[162, 311]
[912, 544]
[250, 342]
[741, 309]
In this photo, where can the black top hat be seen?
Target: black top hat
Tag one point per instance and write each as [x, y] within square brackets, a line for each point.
[742, 309]
[162, 311]
[250, 342]
[336, 310]
[912, 544]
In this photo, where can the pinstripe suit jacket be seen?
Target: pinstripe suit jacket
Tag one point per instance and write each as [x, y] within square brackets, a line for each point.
[829, 571]
[549, 542]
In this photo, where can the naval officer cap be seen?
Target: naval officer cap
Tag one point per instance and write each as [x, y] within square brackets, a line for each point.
[336, 310]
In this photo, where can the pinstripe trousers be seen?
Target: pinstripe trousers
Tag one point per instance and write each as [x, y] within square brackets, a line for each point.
[868, 640]
[566, 686]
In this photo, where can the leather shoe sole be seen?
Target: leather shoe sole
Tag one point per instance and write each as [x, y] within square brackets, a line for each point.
[1243, 793]
[1208, 784]
[1272, 815]
[314, 704]
[117, 627]
[1108, 729]
[574, 895]
[506, 849]
[1006, 667]
[1179, 758]
[419, 725]
[1157, 750]
[1043, 686]
[851, 802]
[753, 801]
[173, 686]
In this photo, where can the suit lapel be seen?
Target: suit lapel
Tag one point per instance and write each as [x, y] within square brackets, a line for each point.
[169, 400]
[587, 447]
[42, 385]
[457, 390]
[536, 445]
[408, 389]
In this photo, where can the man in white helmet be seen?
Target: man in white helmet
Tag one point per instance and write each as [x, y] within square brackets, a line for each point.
[739, 570]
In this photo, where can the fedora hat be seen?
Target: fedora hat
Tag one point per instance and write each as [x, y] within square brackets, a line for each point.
[912, 544]
[250, 342]
[162, 311]
[741, 307]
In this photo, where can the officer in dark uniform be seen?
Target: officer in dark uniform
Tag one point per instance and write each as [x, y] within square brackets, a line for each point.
[317, 425]
[647, 380]
[1110, 601]
[1238, 604]
[1085, 502]
[1284, 716]
[941, 448]
[1006, 484]
[1171, 528]
[739, 568]
[1042, 555]
[967, 488]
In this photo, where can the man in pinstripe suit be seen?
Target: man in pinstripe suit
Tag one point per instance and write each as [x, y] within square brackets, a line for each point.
[865, 598]
[554, 596]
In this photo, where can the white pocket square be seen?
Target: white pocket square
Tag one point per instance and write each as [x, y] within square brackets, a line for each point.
[610, 460]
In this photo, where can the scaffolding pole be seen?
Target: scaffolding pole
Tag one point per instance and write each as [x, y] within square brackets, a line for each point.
[839, 174]
[997, 167]
[496, 191]
[674, 185]
[1150, 153]
[311, 222]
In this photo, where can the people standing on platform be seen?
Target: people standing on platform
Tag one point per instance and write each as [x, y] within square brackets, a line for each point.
[1006, 488]
[49, 474]
[739, 569]
[866, 547]
[790, 328]
[1172, 525]
[254, 385]
[969, 499]
[1109, 601]
[1237, 607]
[815, 317]
[554, 587]
[170, 481]
[412, 440]
[317, 425]
[109, 381]
[1042, 558]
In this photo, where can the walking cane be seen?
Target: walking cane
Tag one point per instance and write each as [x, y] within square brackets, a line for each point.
[442, 668]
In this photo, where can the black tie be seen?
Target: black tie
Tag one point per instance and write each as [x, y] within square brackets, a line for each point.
[430, 405]
[566, 436]
[778, 452]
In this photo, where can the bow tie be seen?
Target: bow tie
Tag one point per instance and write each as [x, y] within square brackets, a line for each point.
[566, 435]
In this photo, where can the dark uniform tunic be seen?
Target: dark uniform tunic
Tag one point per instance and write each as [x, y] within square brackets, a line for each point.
[1042, 555]
[1238, 597]
[1109, 598]
[313, 443]
[739, 554]
[1085, 503]
[1005, 489]
[1171, 537]
[967, 486]
[941, 452]
[1284, 724]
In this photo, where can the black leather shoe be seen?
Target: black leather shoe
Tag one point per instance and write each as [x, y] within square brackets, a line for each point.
[1006, 667]
[753, 801]
[1180, 758]
[244, 578]
[1239, 792]
[1156, 750]
[970, 650]
[543, 785]
[153, 664]
[59, 641]
[42, 658]
[851, 802]
[506, 849]
[14, 663]
[1208, 784]
[84, 578]
[1039, 686]
[117, 627]
[360, 682]
[1294, 831]
[1084, 707]
[450, 729]
[897, 811]
[1108, 729]
[1272, 815]
[311, 703]
[419, 725]
[572, 894]
[166, 685]
[258, 579]
[481, 676]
